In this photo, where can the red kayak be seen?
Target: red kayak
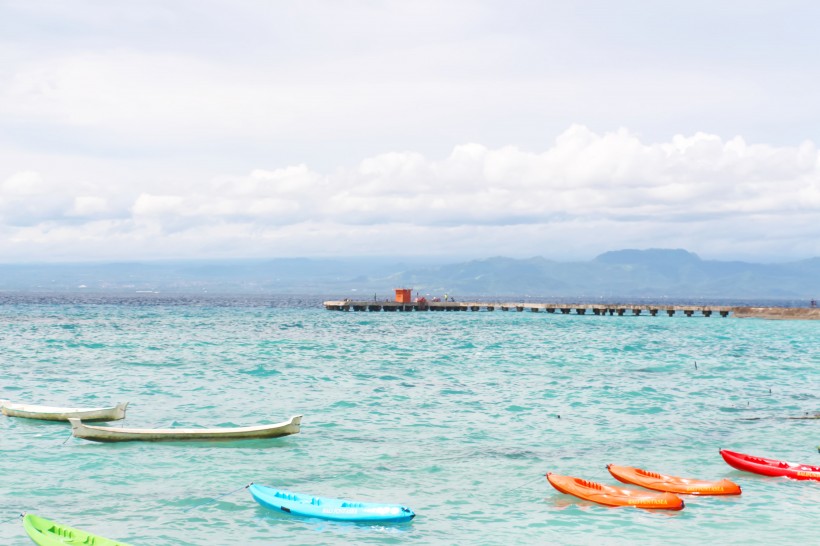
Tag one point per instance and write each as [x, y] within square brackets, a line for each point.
[770, 467]
[672, 484]
[614, 496]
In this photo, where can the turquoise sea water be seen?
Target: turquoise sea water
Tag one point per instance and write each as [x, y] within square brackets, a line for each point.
[457, 415]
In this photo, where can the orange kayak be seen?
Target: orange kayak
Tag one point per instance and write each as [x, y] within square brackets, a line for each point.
[614, 496]
[672, 484]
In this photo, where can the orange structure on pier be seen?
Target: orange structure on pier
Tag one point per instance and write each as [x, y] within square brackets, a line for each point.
[404, 295]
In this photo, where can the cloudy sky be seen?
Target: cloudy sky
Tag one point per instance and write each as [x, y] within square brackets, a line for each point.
[463, 129]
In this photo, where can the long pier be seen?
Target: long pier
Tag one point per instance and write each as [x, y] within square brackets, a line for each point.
[560, 308]
[773, 313]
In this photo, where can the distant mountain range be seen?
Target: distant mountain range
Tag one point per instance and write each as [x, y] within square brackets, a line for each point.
[647, 274]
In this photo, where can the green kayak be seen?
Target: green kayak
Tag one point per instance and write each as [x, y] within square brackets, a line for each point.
[48, 533]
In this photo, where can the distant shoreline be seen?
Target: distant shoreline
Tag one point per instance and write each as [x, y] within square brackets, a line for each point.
[778, 313]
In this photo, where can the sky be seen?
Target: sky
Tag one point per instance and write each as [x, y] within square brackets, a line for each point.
[210, 129]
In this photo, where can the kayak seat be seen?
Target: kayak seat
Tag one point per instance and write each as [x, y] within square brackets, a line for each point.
[316, 502]
[62, 532]
[286, 496]
[585, 483]
[648, 474]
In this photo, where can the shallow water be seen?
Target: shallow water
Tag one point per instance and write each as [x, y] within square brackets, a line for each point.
[457, 415]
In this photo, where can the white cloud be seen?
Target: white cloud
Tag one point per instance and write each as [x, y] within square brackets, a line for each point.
[23, 183]
[158, 205]
[586, 193]
[89, 206]
[314, 127]
[138, 79]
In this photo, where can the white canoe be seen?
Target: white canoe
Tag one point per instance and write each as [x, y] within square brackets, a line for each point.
[112, 434]
[52, 413]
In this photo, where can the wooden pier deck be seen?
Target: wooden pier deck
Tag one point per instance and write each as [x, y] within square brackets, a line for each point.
[560, 308]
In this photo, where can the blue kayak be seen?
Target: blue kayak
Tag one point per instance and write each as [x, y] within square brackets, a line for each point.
[325, 508]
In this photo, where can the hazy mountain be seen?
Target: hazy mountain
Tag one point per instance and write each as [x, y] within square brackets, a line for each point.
[654, 273]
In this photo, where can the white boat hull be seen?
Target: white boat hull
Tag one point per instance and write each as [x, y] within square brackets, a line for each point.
[53, 413]
[111, 434]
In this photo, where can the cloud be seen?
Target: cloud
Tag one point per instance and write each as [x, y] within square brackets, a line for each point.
[22, 184]
[587, 192]
[89, 206]
[265, 78]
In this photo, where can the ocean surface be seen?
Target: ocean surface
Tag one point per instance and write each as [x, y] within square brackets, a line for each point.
[456, 415]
